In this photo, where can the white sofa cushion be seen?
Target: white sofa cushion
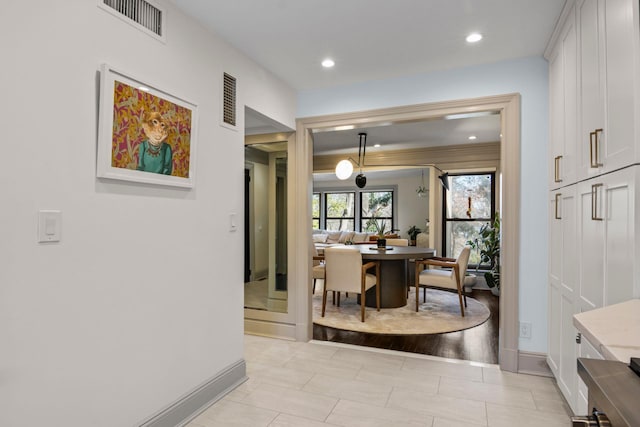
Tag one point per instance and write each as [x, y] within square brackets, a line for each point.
[320, 238]
[345, 236]
[360, 237]
[334, 236]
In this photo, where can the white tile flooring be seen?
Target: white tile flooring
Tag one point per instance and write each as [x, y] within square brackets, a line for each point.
[325, 384]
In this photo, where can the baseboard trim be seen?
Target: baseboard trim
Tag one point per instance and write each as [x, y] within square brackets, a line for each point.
[193, 403]
[508, 359]
[533, 364]
[270, 329]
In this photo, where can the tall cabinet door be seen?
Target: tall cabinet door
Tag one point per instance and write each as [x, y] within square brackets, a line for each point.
[592, 244]
[608, 51]
[563, 290]
[563, 106]
[621, 80]
[591, 51]
[608, 247]
[621, 246]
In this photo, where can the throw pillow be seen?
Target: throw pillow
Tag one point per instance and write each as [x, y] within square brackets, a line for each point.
[320, 238]
[345, 235]
[333, 237]
[360, 237]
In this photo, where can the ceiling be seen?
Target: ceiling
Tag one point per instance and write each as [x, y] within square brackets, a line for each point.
[375, 39]
[378, 39]
[485, 127]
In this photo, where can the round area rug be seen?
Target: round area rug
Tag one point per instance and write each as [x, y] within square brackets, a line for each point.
[440, 314]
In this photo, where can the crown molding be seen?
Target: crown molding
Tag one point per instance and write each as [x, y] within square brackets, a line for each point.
[444, 157]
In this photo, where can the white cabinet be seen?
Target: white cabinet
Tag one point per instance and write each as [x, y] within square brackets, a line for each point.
[563, 106]
[594, 172]
[608, 79]
[563, 289]
[609, 250]
[593, 262]
[588, 350]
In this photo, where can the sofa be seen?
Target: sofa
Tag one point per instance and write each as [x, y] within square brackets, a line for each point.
[325, 238]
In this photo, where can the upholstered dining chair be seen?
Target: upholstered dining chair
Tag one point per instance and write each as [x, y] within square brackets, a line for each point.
[344, 272]
[452, 279]
[397, 242]
[318, 268]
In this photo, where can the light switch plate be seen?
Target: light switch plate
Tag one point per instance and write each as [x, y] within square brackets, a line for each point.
[49, 226]
[233, 226]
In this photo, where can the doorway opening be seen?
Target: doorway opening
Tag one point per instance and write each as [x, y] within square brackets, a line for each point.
[509, 108]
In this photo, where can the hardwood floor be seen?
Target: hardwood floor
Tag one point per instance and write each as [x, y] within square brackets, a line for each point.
[479, 344]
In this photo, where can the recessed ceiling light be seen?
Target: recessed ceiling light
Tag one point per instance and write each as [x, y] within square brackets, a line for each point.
[376, 146]
[474, 37]
[143, 88]
[328, 63]
[472, 137]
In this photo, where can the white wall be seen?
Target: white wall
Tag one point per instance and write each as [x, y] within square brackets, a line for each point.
[412, 210]
[142, 300]
[527, 76]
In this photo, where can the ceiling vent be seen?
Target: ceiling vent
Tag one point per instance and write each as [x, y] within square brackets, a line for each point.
[139, 13]
[229, 100]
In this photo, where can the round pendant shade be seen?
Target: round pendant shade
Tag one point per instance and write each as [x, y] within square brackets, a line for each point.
[344, 169]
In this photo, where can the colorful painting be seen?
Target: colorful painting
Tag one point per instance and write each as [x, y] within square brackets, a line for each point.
[137, 116]
[145, 135]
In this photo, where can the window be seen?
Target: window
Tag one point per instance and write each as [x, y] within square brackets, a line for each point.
[468, 205]
[335, 209]
[315, 211]
[378, 204]
[340, 211]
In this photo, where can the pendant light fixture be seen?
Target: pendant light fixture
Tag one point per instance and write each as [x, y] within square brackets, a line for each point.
[361, 180]
[344, 168]
[422, 190]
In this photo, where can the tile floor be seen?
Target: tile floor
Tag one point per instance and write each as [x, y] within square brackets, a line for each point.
[327, 384]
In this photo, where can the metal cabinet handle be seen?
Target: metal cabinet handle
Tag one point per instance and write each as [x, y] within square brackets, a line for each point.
[556, 174]
[594, 202]
[558, 195]
[594, 148]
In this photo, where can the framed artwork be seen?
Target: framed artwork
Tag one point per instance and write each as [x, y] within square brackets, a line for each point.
[144, 133]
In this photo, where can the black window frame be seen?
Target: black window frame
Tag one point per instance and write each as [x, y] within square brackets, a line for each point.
[326, 206]
[392, 218]
[357, 200]
[318, 218]
[445, 220]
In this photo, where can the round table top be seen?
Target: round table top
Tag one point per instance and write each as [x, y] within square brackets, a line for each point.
[395, 252]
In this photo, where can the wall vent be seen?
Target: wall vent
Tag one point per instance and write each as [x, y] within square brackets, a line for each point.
[229, 100]
[141, 12]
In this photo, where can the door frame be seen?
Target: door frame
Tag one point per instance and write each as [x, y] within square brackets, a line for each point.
[508, 106]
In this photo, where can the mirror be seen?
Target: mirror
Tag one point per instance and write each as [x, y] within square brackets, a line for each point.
[265, 265]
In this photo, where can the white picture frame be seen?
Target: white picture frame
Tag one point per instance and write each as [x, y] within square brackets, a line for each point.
[131, 113]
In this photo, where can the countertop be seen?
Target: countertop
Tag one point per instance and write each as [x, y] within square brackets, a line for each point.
[613, 389]
[613, 330]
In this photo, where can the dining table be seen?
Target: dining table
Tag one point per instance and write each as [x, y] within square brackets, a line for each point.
[394, 274]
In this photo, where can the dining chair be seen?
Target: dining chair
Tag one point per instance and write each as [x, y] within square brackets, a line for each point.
[344, 272]
[452, 279]
[397, 242]
[318, 269]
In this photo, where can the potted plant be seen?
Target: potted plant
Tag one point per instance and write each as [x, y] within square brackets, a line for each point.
[488, 245]
[413, 233]
[379, 226]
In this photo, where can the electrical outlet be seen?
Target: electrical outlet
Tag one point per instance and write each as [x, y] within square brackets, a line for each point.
[525, 330]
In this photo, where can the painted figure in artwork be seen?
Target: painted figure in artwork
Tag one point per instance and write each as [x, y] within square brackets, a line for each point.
[155, 154]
